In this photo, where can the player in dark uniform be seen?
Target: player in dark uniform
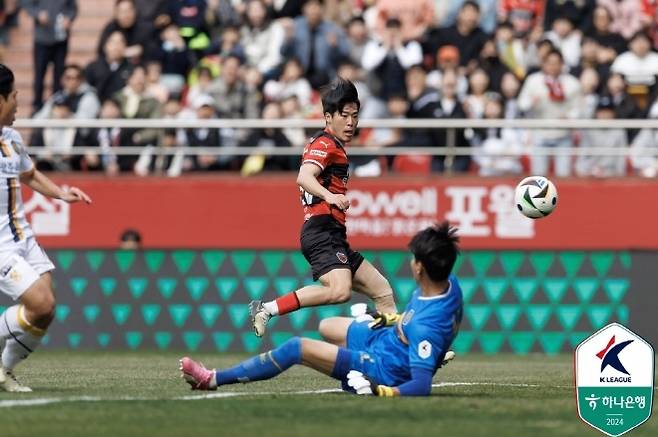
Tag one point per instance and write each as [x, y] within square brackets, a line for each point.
[366, 356]
[323, 180]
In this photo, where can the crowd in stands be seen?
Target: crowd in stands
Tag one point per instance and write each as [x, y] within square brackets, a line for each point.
[491, 59]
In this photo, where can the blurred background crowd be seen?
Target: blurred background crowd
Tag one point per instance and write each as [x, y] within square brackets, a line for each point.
[234, 59]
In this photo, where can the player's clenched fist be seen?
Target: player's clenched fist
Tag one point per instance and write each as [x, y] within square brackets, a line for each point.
[340, 200]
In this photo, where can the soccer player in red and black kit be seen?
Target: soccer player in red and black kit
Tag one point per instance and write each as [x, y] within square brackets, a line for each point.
[323, 180]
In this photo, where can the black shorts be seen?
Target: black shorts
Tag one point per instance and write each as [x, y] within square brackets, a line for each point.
[325, 246]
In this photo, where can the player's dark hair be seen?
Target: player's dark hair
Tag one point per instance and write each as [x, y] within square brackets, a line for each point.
[436, 248]
[470, 3]
[337, 94]
[131, 235]
[6, 81]
[556, 52]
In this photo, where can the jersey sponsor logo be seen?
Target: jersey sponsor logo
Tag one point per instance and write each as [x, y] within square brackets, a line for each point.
[407, 317]
[319, 153]
[424, 349]
[341, 257]
[4, 271]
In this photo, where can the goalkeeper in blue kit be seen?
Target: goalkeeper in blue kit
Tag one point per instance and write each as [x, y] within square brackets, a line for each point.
[389, 355]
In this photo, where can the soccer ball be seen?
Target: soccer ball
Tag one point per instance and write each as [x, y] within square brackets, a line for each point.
[535, 197]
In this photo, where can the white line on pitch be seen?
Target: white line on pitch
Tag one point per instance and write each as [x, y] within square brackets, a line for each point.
[222, 394]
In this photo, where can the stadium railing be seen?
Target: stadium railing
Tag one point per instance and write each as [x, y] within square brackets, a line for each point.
[448, 149]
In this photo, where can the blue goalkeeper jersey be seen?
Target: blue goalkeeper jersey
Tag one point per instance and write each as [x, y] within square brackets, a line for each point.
[421, 338]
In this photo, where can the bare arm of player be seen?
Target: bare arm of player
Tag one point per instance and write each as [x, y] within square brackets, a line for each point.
[41, 183]
[307, 179]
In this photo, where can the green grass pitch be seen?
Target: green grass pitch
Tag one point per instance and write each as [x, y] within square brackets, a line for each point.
[141, 394]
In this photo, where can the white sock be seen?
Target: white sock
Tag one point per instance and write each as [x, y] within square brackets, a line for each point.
[271, 307]
[20, 335]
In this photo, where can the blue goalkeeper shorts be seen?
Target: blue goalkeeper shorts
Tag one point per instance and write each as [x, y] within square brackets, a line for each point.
[359, 337]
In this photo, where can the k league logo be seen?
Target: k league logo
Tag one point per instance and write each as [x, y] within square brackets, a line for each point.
[614, 380]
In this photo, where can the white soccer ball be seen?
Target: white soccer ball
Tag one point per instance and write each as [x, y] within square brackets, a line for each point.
[535, 197]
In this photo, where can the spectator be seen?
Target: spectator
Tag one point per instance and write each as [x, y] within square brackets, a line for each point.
[109, 138]
[130, 239]
[465, 34]
[290, 109]
[447, 58]
[110, 71]
[599, 165]
[627, 16]
[424, 102]
[551, 94]
[291, 82]
[639, 65]
[490, 62]
[566, 38]
[509, 88]
[512, 51]
[52, 25]
[448, 11]
[190, 17]
[499, 149]
[611, 43]
[523, 15]
[625, 105]
[644, 158]
[450, 107]
[175, 59]
[58, 142]
[578, 12]
[204, 107]
[8, 12]
[590, 58]
[232, 97]
[358, 36]
[317, 43]
[589, 83]
[262, 38]
[155, 12]
[229, 44]
[221, 13]
[644, 153]
[80, 96]
[415, 17]
[139, 35]
[154, 85]
[477, 97]
[264, 140]
[204, 80]
[389, 59]
[135, 102]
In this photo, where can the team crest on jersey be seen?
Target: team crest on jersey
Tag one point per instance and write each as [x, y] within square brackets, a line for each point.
[424, 349]
[341, 257]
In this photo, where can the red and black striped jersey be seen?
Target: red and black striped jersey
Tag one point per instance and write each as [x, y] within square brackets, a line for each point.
[328, 153]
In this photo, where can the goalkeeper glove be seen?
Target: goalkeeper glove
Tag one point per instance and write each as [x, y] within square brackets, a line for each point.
[383, 320]
[363, 385]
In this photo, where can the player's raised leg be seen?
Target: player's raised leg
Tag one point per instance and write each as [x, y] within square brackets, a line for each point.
[369, 281]
[319, 355]
[336, 288]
